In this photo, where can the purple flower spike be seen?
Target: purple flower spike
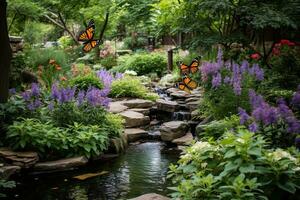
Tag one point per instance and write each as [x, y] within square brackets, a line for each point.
[80, 97]
[26, 95]
[35, 89]
[244, 117]
[253, 127]
[217, 80]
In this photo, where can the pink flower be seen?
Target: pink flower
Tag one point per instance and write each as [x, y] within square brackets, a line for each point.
[255, 56]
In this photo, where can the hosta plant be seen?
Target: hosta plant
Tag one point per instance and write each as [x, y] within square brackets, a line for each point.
[239, 166]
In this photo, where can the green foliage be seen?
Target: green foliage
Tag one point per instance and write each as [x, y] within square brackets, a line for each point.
[108, 62]
[36, 32]
[65, 42]
[130, 87]
[285, 71]
[66, 114]
[36, 57]
[237, 167]
[143, 63]
[84, 82]
[45, 138]
[115, 124]
[6, 184]
[134, 43]
[15, 107]
[18, 64]
[216, 129]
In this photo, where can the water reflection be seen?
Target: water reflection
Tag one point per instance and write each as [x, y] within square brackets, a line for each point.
[141, 170]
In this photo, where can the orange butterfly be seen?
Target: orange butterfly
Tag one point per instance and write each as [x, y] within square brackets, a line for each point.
[87, 37]
[192, 68]
[187, 84]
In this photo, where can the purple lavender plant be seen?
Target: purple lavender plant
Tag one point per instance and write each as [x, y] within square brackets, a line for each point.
[32, 97]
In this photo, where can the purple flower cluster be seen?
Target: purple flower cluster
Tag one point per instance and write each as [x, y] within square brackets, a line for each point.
[97, 97]
[266, 115]
[296, 98]
[32, 97]
[214, 69]
[107, 78]
[93, 96]
[62, 95]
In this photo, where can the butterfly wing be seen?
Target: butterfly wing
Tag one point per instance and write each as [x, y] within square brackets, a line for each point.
[190, 83]
[182, 86]
[89, 45]
[184, 68]
[194, 66]
[88, 33]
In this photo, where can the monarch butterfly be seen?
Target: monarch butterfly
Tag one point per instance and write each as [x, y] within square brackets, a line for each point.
[187, 84]
[87, 36]
[192, 68]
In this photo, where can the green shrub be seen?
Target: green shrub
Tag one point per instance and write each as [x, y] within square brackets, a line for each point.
[66, 114]
[84, 82]
[134, 44]
[236, 167]
[216, 129]
[115, 124]
[36, 57]
[143, 63]
[18, 65]
[108, 62]
[285, 72]
[45, 138]
[65, 42]
[130, 87]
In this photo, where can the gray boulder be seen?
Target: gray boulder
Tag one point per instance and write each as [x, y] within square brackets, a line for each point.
[173, 130]
[134, 119]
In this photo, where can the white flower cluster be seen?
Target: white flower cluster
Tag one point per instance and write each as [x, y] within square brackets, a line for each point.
[130, 72]
[280, 154]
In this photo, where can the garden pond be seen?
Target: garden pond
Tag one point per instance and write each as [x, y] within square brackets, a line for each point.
[142, 169]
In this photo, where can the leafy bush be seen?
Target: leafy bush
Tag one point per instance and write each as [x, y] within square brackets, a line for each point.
[216, 129]
[108, 62]
[143, 63]
[65, 41]
[69, 113]
[134, 44]
[36, 32]
[227, 84]
[84, 82]
[115, 124]
[18, 64]
[130, 87]
[37, 57]
[285, 63]
[44, 137]
[236, 167]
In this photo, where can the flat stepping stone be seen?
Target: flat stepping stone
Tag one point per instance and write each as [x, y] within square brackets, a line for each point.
[138, 103]
[61, 164]
[134, 119]
[167, 106]
[117, 107]
[193, 105]
[173, 130]
[172, 90]
[134, 134]
[191, 99]
[144, 111]
[180, 95]
[184, 141]
[151, 196]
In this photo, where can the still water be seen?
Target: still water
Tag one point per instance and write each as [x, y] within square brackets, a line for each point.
[142, 169]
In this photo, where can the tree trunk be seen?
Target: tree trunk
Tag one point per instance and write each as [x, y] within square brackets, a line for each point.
[5, 53]
[101, 34]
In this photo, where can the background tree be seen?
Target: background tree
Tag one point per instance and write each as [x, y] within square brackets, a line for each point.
[5, 53]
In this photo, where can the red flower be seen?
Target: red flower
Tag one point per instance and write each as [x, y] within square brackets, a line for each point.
[287, 42]
[276, 51]
[284, 42]
[255, 56]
